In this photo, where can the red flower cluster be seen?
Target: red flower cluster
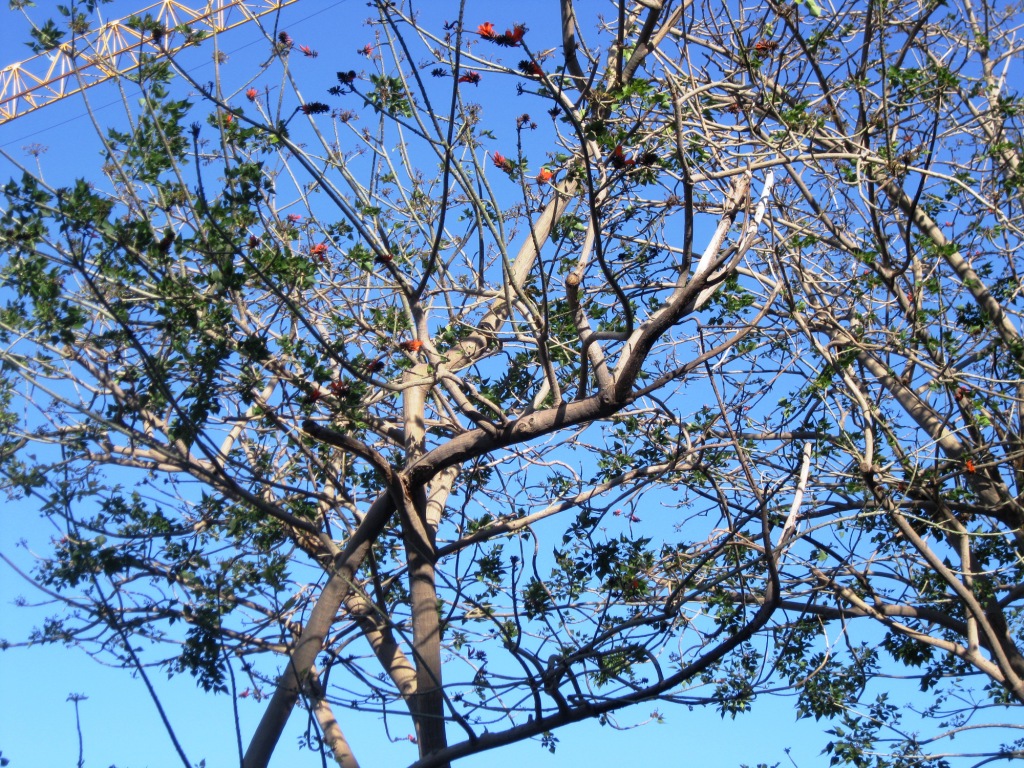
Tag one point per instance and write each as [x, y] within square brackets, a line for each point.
[544, 176]
[530, 68]
[414, 345]
[510, 38]
[366, 50]
[502, 162]
[619, 160]
[319, 251]
[470, 77]
[307, 51]
[251, 94]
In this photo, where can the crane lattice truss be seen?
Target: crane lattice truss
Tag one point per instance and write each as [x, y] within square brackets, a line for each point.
[114, 49]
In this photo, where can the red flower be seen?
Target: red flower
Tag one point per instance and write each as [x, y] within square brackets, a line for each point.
[619, 159]
[253, 241]
[284, 38]
[251, 94]
[528, 67]
[505, 164]
[470, 77]
[294, 218]
[366, 50]
[544, 176]
[970, 467]
[339, 388]
[414, 345]
[307, 51]
[486, 30]
[375, 366]
[319, 251]
[384, 258]
[511, 37]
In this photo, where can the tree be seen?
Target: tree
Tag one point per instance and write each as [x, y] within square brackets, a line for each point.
[697, 381]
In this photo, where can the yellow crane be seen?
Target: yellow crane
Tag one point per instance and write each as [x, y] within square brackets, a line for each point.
[113, 49]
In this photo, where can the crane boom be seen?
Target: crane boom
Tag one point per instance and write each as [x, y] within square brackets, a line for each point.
[113, 49]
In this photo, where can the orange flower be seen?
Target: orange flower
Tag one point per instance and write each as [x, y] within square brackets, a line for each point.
[318, 251]
[366, 50]
[470, 77]
[544, 176]
[499, 160]
[251, 94]
[307, 51]
[414, 345]
[970, 467]
[486, 31]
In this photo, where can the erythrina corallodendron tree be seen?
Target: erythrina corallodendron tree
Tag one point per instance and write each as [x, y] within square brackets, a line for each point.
[693, 377]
